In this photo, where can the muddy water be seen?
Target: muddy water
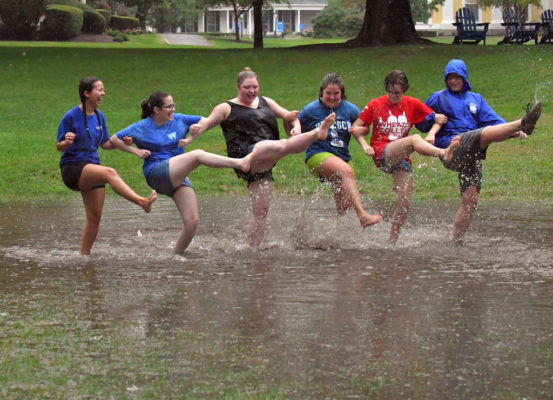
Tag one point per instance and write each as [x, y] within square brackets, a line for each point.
[324, 310]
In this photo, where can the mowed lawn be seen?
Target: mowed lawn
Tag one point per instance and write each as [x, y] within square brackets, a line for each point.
[39, 83]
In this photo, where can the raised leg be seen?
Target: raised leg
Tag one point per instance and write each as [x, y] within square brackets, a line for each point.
[94, 175]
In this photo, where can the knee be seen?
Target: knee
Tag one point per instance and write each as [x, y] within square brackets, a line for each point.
[111, 173]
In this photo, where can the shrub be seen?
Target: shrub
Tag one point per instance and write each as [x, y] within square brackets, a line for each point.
[106, 14]
[21, 17]
[124, 23]
[337, 21]
[93, 21]
[63, 22]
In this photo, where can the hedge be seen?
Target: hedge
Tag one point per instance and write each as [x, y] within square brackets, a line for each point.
[123, 23]
[93, 21]
[106, 14]
[63, 22]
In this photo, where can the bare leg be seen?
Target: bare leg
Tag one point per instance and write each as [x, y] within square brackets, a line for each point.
[403, 186]
[94, 175]
[260, 195]
[182, 165]
[499, 133]
[185, 200]
[93, 200]
[399, 150]
[344, 187]
[466, 212]
[270, 151]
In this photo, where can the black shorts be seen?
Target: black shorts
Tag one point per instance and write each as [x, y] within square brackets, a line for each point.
[71, 173]
[251, 178]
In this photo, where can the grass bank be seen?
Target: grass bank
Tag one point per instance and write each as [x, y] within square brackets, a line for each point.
[40, 83]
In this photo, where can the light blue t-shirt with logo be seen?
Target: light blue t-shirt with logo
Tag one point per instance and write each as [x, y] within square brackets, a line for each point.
[162, 141]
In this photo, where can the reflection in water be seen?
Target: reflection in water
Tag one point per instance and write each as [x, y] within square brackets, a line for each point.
[324, 310]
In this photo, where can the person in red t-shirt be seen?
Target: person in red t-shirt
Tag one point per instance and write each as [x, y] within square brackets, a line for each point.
[392, 117]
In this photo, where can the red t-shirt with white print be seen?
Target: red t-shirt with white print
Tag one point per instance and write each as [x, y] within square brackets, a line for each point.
[392, 121]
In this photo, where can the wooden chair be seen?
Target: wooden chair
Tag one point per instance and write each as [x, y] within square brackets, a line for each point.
[468, 28]
[547, 23]
[517, 32]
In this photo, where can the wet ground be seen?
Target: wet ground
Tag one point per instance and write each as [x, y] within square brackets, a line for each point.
[324, 310]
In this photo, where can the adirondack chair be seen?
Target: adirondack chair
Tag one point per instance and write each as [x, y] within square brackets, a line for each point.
[468, 28]
[547, 23]
[518, 32]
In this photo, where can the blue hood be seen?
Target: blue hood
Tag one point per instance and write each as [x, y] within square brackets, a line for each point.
[458, 67]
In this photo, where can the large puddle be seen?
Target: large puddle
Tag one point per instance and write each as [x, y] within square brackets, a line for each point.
[324, 310]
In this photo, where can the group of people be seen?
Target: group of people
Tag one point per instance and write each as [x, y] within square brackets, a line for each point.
[459, 123]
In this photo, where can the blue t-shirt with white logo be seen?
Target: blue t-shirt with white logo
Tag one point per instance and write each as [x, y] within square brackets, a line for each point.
[313, 114]
[86, 143]
[162, 141]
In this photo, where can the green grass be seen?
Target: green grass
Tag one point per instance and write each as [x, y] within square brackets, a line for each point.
[39, 83]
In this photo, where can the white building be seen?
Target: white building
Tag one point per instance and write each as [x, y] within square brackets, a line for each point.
[295, 17]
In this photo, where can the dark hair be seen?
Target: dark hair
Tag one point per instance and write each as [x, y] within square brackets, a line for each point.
[332, 78]
[86, 85]
[155, 100]
[246, 73]
[396, 77]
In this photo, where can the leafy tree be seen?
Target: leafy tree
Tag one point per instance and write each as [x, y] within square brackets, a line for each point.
[22, 16]
[422, 10]
[142, 8]
[337, 21]
[520, 6]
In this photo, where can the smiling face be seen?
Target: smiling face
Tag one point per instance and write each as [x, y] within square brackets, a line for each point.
[395, 93]
[165, 112]
[248, 90]
[331, 96]
[95, 95]
[455, 83]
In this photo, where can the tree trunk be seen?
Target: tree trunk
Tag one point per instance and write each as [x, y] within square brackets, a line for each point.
[257, 24]
[386, 22]
[236, 22]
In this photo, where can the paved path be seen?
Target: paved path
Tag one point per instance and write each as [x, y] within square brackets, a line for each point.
[185, 38]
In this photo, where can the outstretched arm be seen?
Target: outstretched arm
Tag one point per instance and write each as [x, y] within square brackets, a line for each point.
[290, 119]
[218, 115]
[359, 130]
[117, 143]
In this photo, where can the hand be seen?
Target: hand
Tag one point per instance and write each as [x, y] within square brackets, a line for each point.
[184, 142]
[440, 119]
[291, 116]
[69, 137]
[143, 154]
[127, 140]
[520, 134]
[369, 150]
[295, 131]
[358, 130]
[195, 129]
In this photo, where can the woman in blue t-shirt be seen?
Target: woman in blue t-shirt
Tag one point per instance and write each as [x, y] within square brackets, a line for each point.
[329, 159]
[81, 131]
[159, 139]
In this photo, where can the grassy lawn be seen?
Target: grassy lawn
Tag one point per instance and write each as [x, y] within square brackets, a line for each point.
[40, 83]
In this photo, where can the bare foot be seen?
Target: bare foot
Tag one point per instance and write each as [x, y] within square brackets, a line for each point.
[147, 202]
[327, 123]
[247, 161]
[448, 153]
[368, 220]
